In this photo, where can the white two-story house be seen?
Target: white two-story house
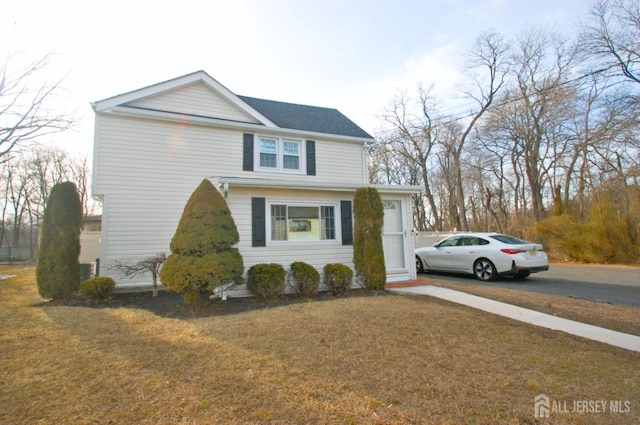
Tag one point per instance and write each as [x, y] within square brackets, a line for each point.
[288, 173]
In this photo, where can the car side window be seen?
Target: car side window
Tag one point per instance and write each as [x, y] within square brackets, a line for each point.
[449, 242]
[465, 242]
[482, 242]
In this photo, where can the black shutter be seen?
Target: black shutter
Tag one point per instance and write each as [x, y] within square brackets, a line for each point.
[258, 222]
[311, 158]
[247, 152]
[347, 223]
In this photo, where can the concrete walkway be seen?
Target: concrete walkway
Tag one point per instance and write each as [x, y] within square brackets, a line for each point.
[618, 339]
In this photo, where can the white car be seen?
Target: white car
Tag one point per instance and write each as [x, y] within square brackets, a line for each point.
[485, 255]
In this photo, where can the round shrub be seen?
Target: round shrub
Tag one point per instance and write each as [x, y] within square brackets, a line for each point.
[98, 288]
[338, 278]
[304, 279]
[266, 280]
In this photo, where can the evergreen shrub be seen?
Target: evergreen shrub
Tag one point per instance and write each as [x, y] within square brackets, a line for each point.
[99, 288]
[203, 249]
[338, 278]
[304, 279]
[368, 250]
[266, 280]
[58, 269]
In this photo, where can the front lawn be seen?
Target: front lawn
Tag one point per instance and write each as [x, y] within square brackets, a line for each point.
[368, 359]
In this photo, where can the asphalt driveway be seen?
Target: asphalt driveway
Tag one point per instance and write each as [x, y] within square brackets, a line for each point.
[618, 285]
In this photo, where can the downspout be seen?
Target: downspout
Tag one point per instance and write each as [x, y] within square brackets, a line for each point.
[365, 161]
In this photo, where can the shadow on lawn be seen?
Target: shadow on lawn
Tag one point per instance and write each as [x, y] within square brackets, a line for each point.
[170, 304]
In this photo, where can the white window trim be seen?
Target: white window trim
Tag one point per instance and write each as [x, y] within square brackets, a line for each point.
[298, 203]
[280, 155]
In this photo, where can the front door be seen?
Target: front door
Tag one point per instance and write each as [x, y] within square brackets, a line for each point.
[393, 235]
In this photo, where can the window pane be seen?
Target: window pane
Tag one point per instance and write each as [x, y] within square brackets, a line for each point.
[268, 153]
[267, 160]
[291, 155]
[291, 148]
[291, 162]
[268, 146]
[304, 223]
[328, 223]
[278, 222]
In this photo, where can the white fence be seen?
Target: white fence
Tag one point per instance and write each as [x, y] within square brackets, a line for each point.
[15, 253]
[428, 238]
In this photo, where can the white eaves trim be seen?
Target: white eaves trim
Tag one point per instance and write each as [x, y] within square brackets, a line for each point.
[217, 122]
[199, 76]
[226, 182]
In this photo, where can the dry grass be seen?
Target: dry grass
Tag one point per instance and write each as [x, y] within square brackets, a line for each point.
[388, 359]
[616, 317]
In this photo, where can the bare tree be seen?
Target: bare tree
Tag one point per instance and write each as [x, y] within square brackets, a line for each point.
[151, 265]
[27, 179]
[412, 140]
[25, 110]
[489, 55]
[611, 38]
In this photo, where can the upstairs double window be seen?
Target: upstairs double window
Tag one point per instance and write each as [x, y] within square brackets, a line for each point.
[279, 154]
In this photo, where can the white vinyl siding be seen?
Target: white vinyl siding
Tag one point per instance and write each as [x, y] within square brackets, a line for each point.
[195, 99]
[164, 157]
[134, 151]
[146, 169]
[343, 162]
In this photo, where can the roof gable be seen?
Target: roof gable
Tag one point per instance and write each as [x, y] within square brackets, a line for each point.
[197, 99]
[138, 97]
[175, 96]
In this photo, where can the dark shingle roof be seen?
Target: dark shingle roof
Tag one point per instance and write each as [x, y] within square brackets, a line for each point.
[306, 118]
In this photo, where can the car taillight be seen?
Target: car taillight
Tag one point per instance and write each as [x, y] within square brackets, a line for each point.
[512, 251]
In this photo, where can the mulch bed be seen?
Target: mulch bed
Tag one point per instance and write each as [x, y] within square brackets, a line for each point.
[171, 304]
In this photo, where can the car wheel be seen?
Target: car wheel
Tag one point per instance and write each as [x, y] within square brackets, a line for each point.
[484, 270]
[522, 274]
[419, 267]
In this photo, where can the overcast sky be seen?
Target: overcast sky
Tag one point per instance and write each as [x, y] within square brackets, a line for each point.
[352, 55]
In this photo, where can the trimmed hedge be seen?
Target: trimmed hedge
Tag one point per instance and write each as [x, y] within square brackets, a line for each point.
[304, 279]
[338, 278]
[98, 288]
[266, 280]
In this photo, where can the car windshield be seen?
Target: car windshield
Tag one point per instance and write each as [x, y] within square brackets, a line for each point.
[511, 240]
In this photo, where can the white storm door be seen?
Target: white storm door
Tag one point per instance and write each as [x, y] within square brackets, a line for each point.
[393, 235]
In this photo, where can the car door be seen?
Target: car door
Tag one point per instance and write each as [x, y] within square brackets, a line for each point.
[464, 253]
[441, 257]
